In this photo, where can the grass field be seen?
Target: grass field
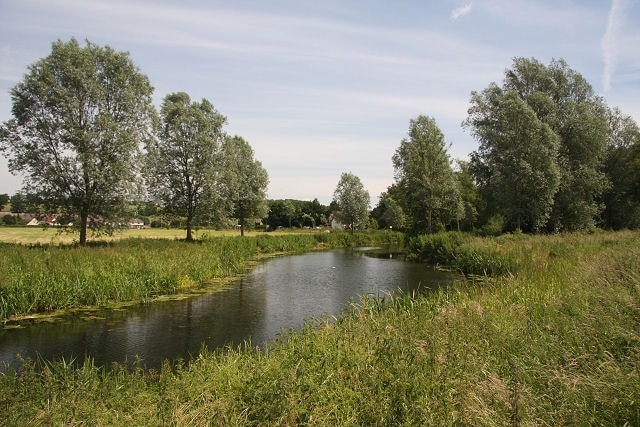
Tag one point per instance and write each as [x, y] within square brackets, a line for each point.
[557, 343]
[39, 235]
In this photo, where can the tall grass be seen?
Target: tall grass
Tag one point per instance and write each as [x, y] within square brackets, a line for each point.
[557, 343]
[471, 255]
[45, 278]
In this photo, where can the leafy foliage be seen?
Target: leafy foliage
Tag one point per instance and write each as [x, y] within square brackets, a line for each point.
[389, 213]
[79, 116]
[622, 166]
[423, 173]
[516, 165]
[182, 161]
[353, 201]
[542, 143]
[296, 213]
[243, 184]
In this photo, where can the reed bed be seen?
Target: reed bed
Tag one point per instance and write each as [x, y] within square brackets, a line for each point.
[555, 343]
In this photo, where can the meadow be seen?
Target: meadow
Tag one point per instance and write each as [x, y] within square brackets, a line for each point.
[556, 342]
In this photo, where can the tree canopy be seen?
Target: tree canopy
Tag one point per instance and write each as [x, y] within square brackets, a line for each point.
[80, 115]
[622, 166]
[516, 165]
[352, 200]
[183, 161]
[244, 182]
[423, 173]
[551, 156]
[542, 144]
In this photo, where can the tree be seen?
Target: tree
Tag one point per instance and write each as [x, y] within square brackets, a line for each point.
[468, 194]
[289, 213]
[18, 203]
[244, 183]
[4, 199]
[352, 200]
[562, 99]
[281, 212]
[423, 173]
[79, 117]
[183, 160]
[389, 213]
[289, 210]
[516, 164]
[622, 167]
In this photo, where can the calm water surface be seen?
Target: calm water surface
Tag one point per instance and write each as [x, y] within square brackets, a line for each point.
[279, 294]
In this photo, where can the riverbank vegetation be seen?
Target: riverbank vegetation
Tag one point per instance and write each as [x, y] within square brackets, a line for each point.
[45, 278]
[555, 343]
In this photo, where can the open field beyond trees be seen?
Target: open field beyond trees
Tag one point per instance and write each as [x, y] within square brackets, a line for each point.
[53, 236]
[556, 343]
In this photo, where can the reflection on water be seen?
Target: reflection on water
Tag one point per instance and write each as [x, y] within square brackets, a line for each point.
[279, 294]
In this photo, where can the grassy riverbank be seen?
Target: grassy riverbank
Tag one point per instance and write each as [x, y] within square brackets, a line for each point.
[557, 343]
[44, 278]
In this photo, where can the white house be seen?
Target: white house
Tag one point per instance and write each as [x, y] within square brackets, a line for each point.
[136, 223]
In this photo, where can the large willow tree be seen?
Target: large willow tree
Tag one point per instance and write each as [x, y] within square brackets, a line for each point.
[353, 201]
[424, 175]
[80, 115]
[243, 184]
[513, 120]
[183, 162]
[516, 165]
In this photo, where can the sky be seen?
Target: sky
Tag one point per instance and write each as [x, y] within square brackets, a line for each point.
[319, 88]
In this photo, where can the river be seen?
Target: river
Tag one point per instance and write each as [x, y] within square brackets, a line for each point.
[279, 294]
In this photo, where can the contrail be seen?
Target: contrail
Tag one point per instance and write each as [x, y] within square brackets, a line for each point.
[610, 42]
[463, 10]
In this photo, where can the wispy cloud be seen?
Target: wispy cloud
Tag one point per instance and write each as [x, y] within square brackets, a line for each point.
[610, 41]
[461, 11]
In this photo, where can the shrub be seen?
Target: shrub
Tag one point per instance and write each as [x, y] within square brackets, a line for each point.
[439, 248]
[11, 220]
[494, 226]
[483, 262]
[456, 250]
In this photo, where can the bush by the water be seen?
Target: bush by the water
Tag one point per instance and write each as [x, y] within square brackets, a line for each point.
[470, 255]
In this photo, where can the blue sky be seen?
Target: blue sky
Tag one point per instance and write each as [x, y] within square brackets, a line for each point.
[324, 87]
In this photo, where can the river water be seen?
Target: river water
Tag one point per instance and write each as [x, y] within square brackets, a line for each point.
[279, 294]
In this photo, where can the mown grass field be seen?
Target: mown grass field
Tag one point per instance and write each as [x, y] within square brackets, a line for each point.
[556, 343]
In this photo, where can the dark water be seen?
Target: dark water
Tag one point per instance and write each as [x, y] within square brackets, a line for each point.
[279, 294]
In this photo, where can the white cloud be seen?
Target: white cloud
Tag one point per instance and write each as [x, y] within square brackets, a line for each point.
[461, 11]
[610, 41]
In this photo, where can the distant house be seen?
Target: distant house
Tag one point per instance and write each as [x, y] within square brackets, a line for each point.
[33, 222]
[51, 220]
[136, 223]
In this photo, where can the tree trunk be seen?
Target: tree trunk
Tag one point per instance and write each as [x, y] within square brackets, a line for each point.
[189, 234]
[242, 229]
[84, 219]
